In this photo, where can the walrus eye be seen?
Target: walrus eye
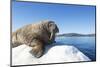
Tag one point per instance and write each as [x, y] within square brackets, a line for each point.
[51, 24]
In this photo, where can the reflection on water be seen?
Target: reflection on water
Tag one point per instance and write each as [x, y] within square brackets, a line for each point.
[84, 44]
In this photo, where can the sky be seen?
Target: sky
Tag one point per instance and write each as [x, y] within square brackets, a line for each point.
[69, 18]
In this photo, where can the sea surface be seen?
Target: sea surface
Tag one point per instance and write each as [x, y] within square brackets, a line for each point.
[86, 45]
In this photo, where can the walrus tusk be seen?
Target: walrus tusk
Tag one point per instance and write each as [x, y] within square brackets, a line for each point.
[51, 36]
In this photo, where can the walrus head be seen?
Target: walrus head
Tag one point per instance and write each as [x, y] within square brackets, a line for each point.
[52, 28]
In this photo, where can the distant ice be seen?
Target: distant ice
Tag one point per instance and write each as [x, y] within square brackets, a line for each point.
[54, 53]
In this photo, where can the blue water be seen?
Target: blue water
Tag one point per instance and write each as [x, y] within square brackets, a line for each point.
[84, 44]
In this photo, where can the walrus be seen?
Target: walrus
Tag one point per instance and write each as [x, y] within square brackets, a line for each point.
[36, 36]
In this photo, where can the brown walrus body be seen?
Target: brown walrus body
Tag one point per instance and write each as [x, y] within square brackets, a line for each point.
[36, 36]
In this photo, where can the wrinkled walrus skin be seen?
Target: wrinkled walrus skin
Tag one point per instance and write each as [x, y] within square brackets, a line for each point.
[36, 35]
